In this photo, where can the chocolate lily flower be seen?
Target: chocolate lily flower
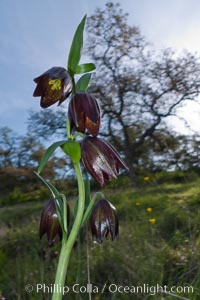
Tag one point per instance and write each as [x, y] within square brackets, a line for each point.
[104, 221]
[49, 222]
[54, 85]
[84, 113]
[100, 159]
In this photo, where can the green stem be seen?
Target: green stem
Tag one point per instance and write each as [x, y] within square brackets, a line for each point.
[68, 129]
[67, 244]
[91, 204]
[79, 263]
[73, 85]
[78, 134]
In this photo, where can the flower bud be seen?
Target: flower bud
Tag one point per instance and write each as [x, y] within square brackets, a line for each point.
[104, 221]
[84, 113]
[101, 159]
[54, 85]
[49, 222]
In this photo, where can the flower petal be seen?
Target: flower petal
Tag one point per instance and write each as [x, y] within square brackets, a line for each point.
[100, 159]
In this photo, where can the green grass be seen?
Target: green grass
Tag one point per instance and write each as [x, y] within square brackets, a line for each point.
[166, 252]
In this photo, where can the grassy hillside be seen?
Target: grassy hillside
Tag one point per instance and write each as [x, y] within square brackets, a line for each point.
[159, 243]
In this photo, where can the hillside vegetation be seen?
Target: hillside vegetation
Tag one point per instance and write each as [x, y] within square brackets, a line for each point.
[159, 243]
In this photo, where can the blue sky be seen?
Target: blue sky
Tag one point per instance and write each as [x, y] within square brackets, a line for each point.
[36, 35]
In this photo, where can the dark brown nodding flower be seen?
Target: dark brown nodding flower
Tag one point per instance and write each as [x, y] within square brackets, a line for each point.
[104, 221]
[54, 85]
[101, 159]
[49, 222]
[84, 113]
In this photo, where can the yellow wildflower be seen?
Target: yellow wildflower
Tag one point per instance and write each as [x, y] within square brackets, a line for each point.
[152, 220]
[149, 209]
[137, 203]
[146, 178]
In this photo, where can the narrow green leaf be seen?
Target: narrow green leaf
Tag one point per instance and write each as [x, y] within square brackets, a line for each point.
[83, 82]
[48, 154]
[72, 149]
[64, 212]
[76, 48]
[58, 201]
[50, 186]
[85, 68]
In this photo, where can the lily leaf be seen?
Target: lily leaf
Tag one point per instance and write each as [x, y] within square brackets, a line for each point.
[85, 68]
[58, 198]
[48, 154]
[72, 149]
[50, 186]
[83, 82]
[76, 48]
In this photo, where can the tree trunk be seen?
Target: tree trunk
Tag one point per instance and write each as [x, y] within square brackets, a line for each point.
[132, 173]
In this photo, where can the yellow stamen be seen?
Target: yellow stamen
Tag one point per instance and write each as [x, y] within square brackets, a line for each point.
[55, 84]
